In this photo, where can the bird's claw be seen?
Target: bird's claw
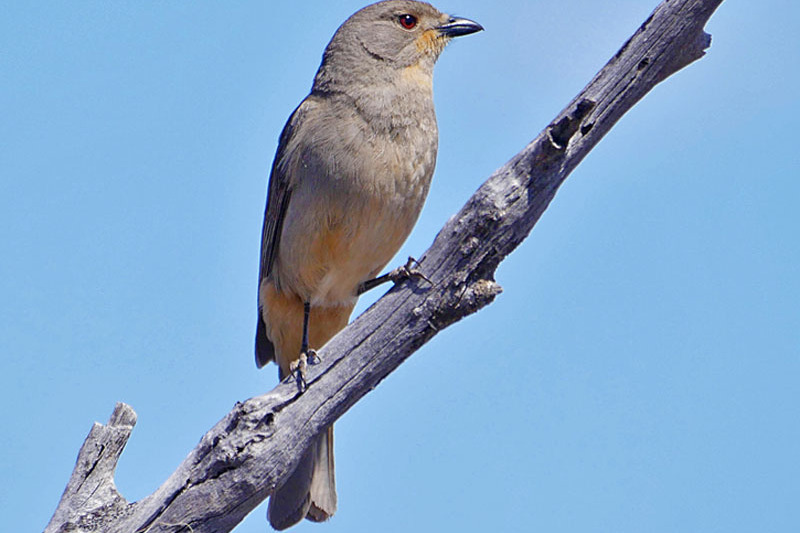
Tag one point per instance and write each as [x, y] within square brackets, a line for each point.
[397, 275]
[312, 358]
[298, 370]
[408, 271]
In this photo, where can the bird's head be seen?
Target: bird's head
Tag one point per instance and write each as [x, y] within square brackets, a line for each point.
[386, 37]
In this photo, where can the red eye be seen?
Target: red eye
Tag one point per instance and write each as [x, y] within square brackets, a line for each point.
[408, 21]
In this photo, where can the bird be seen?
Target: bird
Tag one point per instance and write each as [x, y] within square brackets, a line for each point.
[350, 176]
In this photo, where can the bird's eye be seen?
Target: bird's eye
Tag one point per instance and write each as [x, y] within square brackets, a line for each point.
[408, 21]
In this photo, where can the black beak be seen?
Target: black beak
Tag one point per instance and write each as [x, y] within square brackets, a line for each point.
[456, 27]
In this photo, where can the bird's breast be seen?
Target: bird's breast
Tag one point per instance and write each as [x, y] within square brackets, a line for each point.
[355, 205]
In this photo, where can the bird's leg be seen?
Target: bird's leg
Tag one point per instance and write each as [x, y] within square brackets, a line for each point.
[306, 314]
[404, 272]
[311, 356]
[307, 356]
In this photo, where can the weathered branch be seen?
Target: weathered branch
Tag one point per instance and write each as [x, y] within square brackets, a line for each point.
[239, 462]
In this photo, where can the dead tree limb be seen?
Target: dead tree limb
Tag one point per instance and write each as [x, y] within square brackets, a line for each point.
[239, 461]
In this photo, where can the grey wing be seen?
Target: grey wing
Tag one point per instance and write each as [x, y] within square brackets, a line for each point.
[278, 196]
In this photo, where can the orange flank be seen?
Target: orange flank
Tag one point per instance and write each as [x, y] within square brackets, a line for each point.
[284, 320]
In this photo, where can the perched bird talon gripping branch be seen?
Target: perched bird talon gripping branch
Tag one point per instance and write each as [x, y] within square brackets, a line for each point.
[297, 371]
[410, 270]
[351, 173]
[401, 273]
[312, 358]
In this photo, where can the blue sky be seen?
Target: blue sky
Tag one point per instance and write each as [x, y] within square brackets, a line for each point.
[641, 371]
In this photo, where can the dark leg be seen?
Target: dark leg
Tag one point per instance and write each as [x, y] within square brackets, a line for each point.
[306, 313]
[307, 356]
[396, 276]
[306, 353]
[374, 282]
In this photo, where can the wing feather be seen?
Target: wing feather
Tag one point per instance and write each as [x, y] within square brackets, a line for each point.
[279, 194]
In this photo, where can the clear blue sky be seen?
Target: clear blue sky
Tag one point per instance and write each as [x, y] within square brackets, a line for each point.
[641, 371]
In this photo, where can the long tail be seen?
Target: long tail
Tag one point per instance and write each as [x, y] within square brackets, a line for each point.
[310, 492]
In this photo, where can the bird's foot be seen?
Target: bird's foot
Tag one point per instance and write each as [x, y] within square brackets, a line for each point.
[298, 370]
[312, 358]
[408, 271]
[402, 273]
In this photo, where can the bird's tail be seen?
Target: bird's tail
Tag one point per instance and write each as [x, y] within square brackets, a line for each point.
[310, 492]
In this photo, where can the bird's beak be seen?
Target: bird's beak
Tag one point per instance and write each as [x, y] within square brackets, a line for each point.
[457, 26]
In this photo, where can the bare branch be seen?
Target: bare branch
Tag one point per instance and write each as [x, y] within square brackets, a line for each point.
[238, 463]
[91, 498]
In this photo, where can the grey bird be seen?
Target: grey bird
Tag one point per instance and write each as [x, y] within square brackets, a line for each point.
[352, 170]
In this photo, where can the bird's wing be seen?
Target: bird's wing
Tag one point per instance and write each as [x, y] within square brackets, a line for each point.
[278, 195]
